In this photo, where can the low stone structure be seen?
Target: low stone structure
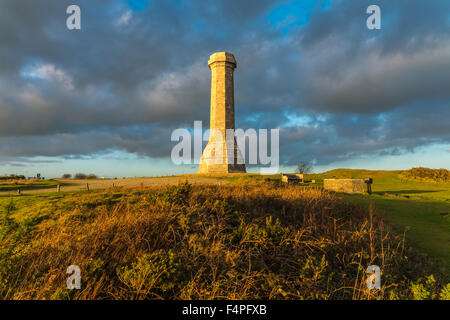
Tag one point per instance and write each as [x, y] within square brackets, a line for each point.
[290, 178]
[344, 185]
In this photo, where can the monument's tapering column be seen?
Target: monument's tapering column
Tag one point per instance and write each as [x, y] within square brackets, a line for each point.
[222, 155]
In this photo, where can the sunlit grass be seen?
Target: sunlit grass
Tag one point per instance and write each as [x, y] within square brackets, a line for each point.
[240, 241]
[419, 208]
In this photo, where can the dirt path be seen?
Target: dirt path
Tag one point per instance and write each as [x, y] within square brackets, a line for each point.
[78, 185]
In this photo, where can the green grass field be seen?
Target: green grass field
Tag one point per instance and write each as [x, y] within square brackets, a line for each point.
[421, 209]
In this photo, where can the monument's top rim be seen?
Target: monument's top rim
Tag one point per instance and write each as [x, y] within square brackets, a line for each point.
[222, 57]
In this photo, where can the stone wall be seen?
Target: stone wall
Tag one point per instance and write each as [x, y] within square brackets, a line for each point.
[290, 178]
[345, 185]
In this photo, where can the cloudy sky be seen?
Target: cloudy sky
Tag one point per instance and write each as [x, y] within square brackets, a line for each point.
[106, 98]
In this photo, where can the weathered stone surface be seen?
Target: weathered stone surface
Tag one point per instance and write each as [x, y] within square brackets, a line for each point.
[344, 185]
[221, 155]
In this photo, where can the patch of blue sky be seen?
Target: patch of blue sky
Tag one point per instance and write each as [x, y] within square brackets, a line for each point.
[30, 74]
[255, 116]
[29, 71]
[295, 119]
[138, 5]
[203, 28]
[354, 118]
[325, 4]
[322, 117]
[294, 13]
[199, 25]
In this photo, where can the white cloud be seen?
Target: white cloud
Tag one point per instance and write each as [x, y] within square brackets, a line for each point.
[51, 74]
[170, 88]
[124, 19]
[375, 81]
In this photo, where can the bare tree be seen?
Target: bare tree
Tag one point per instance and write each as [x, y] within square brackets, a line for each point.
[303, 167]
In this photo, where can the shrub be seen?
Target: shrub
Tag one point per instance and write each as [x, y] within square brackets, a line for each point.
[426, 290]
[66, 176]
[426, 174]
[80, 176]
[176, 194]
[91, 176]
[445, 293]
[12, 177]
[159, 270]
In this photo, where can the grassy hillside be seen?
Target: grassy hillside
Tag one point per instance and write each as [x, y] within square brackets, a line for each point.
[205, 242]
[419, 208]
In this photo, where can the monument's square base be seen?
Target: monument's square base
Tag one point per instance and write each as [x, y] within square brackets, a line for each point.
[221, 168]
[215, 162]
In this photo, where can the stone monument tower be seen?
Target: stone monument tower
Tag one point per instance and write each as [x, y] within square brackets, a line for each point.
[222, 154]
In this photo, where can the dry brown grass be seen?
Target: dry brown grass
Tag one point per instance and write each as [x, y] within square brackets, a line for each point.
[18, 181]
[205, 242]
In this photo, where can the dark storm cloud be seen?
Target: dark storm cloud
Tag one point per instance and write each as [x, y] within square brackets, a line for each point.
[151, 69]
[143, 140]
[128, 78]
[352, 69]
[383, 92]
[343, 137]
